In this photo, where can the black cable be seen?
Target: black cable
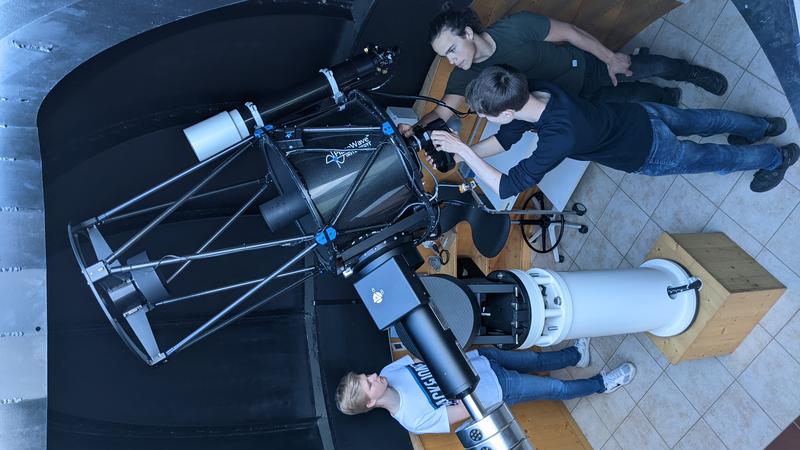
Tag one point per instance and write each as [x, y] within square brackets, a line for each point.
[427, 99]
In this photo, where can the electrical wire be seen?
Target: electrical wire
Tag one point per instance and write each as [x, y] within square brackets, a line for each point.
[458, 113]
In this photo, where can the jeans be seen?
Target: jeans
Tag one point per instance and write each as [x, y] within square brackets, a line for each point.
[512, 367]
[670, 155]
[598, 86]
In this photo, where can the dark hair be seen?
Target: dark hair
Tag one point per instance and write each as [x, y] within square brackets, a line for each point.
[497, 89]
[456, 20]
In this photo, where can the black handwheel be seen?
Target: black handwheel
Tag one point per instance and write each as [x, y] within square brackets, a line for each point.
[538, 201]
[583, 229]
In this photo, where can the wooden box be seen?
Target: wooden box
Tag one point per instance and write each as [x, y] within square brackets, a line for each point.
[736, 294]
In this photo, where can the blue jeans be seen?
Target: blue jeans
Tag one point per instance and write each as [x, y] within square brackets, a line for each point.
[670, 155]
[512, 367]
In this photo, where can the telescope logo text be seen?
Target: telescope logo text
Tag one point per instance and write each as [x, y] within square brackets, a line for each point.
[339, 157]
[377, 296]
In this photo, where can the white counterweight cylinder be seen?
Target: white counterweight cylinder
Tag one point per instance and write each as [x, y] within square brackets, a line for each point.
[608, 302]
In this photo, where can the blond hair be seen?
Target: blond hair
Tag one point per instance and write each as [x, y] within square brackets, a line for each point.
[350, 398]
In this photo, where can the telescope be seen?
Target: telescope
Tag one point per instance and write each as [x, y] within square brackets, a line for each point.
[347, 183]
[347, 187]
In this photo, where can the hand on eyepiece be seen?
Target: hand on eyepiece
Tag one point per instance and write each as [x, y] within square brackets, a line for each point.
[405, 129]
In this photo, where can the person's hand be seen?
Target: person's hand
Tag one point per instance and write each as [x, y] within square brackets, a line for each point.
[448, 142]
[620, 64]
[456, 158]
[405, 129]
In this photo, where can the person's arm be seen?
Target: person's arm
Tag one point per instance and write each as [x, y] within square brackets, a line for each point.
[450, 143]
[488, 147]
[456, 413]
[618, 63]
[440, 112]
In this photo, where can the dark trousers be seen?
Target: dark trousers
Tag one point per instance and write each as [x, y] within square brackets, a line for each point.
[598, 87]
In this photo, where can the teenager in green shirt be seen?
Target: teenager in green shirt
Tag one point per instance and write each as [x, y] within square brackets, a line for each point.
[545, 49]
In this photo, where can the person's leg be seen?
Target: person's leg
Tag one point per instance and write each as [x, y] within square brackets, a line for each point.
[637, 91]
[597, 87]
[671, 156]
[645, 65]
[518, 387]
[529, 361]
[708, 122]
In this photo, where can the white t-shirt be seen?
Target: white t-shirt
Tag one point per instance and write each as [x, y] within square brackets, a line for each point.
[423, 407]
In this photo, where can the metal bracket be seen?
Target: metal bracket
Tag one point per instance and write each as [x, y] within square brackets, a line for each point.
[338, 96]
[256, 115]
[97, 271]
[325, 236]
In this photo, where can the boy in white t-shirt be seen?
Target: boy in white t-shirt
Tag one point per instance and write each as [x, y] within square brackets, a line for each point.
[408, 391]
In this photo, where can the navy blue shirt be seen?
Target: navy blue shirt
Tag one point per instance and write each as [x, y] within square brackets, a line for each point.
[617, 135]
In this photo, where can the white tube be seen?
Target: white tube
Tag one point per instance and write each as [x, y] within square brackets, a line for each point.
[216, 133]
[609, 302]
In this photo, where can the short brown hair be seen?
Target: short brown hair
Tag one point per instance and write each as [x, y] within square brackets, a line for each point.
[497, 89]
[350, 397]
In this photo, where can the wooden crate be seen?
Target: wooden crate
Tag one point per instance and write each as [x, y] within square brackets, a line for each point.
[736, 294]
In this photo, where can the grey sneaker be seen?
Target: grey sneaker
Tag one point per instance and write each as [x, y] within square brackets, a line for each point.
[619, 377]
[582, 345]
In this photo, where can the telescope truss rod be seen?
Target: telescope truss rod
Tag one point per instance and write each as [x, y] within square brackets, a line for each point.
[221, 230]
[160, 218]
[231, 286]
[205, 329]
[352, 190]
[328, 150]
[106, 215]
[169, 259]
[364, 129]
[226, 322]
[194, 197]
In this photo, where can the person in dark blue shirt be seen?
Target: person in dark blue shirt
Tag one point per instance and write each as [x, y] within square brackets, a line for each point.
[632, 137]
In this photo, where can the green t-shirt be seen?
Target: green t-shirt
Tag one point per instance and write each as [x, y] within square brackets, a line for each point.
[519, 39]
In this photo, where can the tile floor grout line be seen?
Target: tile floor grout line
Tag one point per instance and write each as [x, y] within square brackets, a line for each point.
[606, 366]
[683, 393]
[716, 18]
[796, 207]
[598, 416]
[702, 413]
[758, 405]
[712, 405]
[701, 191]
[767, 82]
[781, 345]
[650, 422]
[660, 26]
[660, 200]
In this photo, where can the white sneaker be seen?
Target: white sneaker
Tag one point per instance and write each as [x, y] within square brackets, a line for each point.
[619, 377]
[582, 345]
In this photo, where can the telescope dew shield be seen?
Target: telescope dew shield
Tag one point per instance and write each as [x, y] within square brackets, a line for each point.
[216, 133]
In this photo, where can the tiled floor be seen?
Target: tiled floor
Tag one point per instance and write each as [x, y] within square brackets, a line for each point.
[743, 400]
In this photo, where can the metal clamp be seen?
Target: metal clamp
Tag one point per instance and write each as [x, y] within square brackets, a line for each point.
[338, 96]
[256, 115]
